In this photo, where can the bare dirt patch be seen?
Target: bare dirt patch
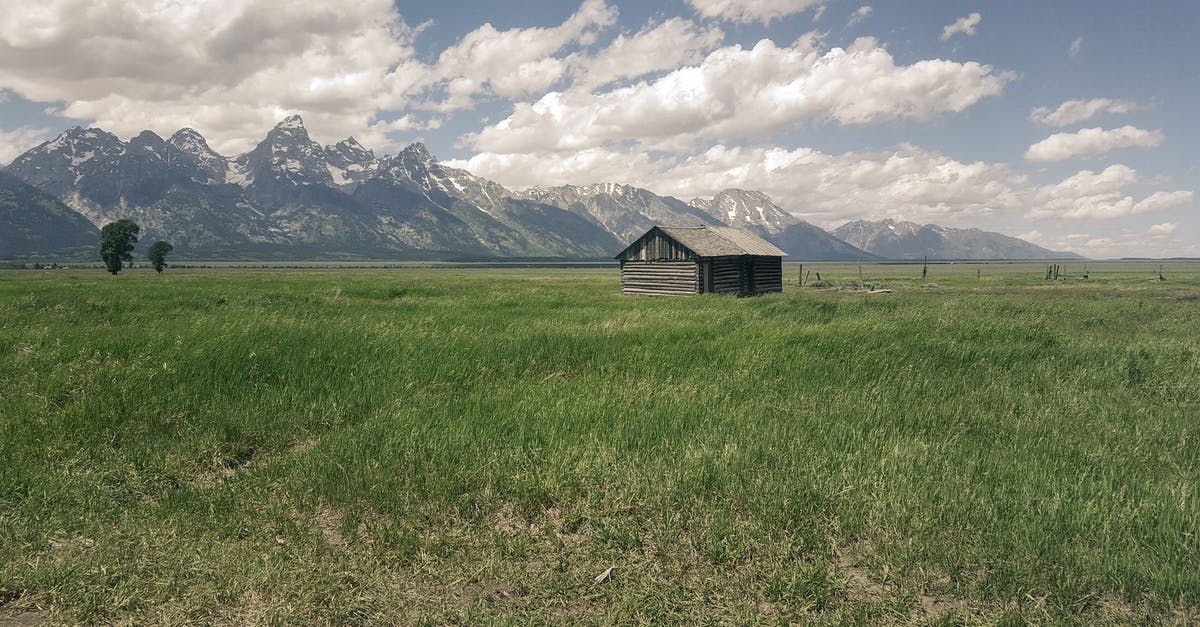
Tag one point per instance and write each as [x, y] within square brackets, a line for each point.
[21, 619]
[863, 587]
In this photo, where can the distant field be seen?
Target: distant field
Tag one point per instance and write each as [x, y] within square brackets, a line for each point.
[478, 445]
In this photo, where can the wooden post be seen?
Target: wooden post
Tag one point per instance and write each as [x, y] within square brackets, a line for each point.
[1160, 274]
[860, 278]
[978, 274]
[925, 267]
[800, 276]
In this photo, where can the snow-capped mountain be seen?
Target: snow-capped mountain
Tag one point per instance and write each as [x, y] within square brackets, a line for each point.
[291, 196]
[755, 211]
[171, 192]
[747, 209]
[624, 211]
[194, 151]
[287, 155]
[73, 160]
[348, 162]
[627, 212]
[893, 239]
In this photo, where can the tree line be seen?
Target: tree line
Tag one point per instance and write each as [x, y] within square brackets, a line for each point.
[116, 246]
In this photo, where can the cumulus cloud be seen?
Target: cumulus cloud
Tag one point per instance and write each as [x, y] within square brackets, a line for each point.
[222, 66]
[1101, 195]
[1123, 243]
[231, 68]
[1074, 111]
[1090, 142]
[965, 25]
[1076, 47]
[738, 93]
[17, 141]
[758, 11]
[859, 15]
[1166, 228]
[665, 46]
[513, 63]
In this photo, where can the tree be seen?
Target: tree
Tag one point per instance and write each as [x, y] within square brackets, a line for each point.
[158, 255]
[116, 243]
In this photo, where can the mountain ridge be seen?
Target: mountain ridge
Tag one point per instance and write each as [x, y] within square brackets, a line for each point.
[290, 197]
[905, 240]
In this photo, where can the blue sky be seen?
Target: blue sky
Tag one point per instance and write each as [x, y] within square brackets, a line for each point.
[1069, 123]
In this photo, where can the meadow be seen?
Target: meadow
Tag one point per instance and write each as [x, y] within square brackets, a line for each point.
[455, 445]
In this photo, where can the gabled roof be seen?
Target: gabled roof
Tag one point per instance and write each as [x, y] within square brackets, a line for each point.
[720, 241]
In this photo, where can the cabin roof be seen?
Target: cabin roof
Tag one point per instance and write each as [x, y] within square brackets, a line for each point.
[720, 241]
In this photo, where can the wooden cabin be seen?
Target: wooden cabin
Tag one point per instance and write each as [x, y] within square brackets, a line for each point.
[680, 260]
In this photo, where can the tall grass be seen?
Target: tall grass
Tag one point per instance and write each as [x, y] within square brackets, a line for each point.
[466, 446]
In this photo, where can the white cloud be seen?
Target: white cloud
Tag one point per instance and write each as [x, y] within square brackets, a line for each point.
[1076, 47]
[232, 68]
[1166, 228]
[757, 11]
[738, 93]
[859, 15]
[17, 141]
[513, 63]
[1090, 142]
[1074, 111]
[965, 25]
[664, 46]
[229, 68]
[1123, 244]
[1101, 195]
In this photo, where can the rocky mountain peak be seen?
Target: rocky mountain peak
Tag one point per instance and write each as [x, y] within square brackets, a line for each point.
[190, 141]
[55, 166]
[290, 131]
[347, 153]
[77, 137]
[417, 152]
[192, 150]
[291, 122]
[286, 154]
[150, 142]
[747, 209]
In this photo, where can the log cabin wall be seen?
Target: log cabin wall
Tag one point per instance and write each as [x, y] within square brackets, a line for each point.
[727, 275]
[766, 274]
[660, 278]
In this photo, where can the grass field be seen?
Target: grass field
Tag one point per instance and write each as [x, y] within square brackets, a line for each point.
[473, 446]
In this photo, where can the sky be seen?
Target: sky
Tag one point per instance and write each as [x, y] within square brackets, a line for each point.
[1071, 123]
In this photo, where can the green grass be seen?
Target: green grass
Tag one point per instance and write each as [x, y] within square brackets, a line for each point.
[467, 446]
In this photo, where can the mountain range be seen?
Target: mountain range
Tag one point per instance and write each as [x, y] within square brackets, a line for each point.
[891, 239]
[292, 198]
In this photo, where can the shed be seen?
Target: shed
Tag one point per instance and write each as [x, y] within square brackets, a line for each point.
[680, 260]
